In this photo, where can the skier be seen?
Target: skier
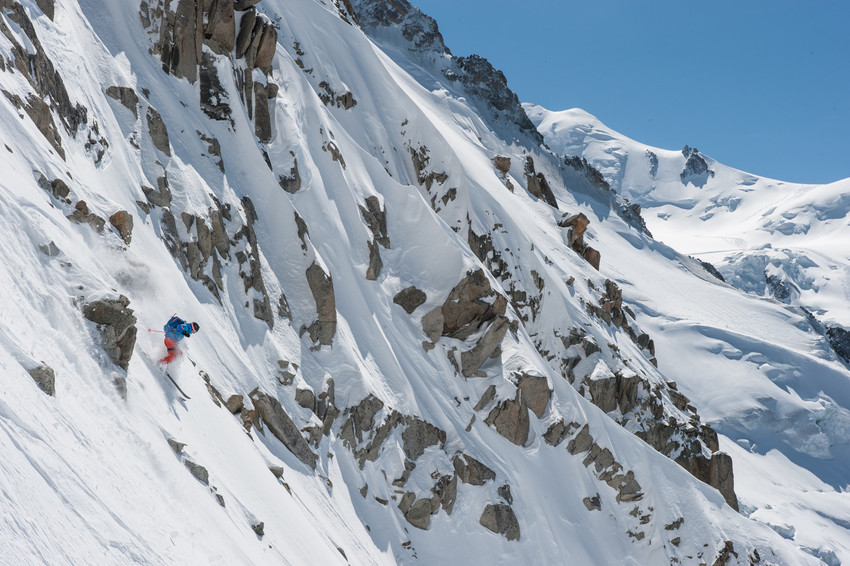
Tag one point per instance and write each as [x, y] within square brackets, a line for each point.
[175, 330]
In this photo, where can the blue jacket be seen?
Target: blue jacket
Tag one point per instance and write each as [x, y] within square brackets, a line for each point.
[177, 328]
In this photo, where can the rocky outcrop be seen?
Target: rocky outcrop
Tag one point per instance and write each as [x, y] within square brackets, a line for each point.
[117, 325]
[486, 347]
[510, 419]
[126, 96]
[322, 289]
[577, 225]
[262, 307]
[82, 215]
[45, 378]
[376, 220]
[375, 217]
[500, 519]
[35, 66]
[410, 298]
[122, 221]
[537, 184]
[839, 339]
[213, 95]
[158, 131]
[471, 303]
[471, 471]
[275, 418]
[696, 169]
[418, 436]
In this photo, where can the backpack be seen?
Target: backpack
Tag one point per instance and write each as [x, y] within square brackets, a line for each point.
[173, 328]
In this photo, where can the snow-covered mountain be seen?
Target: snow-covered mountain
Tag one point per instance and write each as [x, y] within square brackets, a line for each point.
[425, 337]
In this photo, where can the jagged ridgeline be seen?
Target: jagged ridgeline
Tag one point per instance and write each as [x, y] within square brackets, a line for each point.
[413, 338]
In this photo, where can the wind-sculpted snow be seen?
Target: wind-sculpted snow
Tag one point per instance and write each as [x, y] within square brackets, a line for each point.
[419, 343]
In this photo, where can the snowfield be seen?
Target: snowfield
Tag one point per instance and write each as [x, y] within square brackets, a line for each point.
[406, 354]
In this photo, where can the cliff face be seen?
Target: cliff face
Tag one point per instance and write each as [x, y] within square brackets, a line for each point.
[420, 330]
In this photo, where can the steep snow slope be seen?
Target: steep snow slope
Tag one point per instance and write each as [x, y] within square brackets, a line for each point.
[402, 356]
[782, 395]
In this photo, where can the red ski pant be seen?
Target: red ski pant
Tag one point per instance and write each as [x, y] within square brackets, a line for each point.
[173, 352]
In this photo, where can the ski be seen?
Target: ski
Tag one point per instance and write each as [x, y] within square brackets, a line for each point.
[183, 393]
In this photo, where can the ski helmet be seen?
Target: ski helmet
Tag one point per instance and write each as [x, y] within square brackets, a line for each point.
[195, 327]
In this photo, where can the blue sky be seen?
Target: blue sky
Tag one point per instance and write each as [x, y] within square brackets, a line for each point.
[762, 86]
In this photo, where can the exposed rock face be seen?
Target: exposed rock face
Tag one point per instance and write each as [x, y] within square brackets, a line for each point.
[213, 95]
[503, 164]
[376, 219]
[123, 222]
[696, 169]
[471, 471]
[45, 378]
[36, 67]
[158, 131]
[410, 299]
[220, 29]
[721, 477]
[82, 215]
[418, 436]
[466, 309]
[117, 325]
[281, 426]
[535, 392]
[484, 84]
[537, 184]
[471, 360]
[577, 224]
[235, 403]
[262, 308]
[292, 182]
[839, 339]
[126, 96]
[321, 286]
[199, 472]
[500, 519]
[592, 174]
[510, 419]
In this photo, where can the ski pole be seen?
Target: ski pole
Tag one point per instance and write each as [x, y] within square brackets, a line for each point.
[152, 330]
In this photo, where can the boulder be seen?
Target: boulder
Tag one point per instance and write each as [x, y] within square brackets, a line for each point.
[472, 359]
[535, 392]
[503, 164]
[123, 222]
[537, 184]
[235, 403]
[45, 378]
[281, 426]
[410, 299]
[432, 324]
[126, 96]
[199, 472]
[510, 419]
[466, 309]
[82, 215]
[418, 436]
[500, 519]
[117, 325]
[419, 514]
[471, 471]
